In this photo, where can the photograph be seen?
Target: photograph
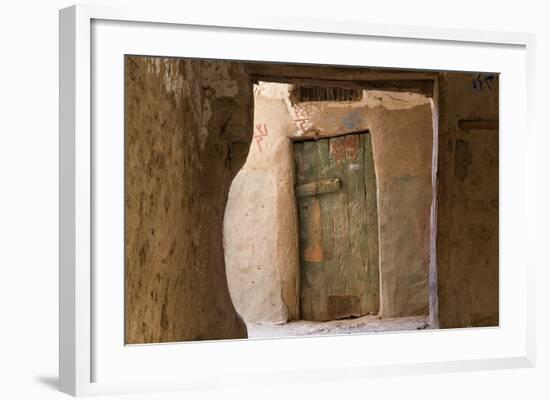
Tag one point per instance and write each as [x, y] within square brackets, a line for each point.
[276, 200]
[221, 201]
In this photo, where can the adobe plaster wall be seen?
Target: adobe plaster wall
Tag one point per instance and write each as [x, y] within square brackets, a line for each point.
[468, 201]
[188, 130]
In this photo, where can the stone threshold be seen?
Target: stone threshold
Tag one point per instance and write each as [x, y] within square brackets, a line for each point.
[364, 324]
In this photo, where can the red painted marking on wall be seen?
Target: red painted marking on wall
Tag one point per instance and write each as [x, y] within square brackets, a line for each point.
[301, 118]
[300, 114]
[260, 133]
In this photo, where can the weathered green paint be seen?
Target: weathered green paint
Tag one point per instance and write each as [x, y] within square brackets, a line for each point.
[336, 196]
[310, 235]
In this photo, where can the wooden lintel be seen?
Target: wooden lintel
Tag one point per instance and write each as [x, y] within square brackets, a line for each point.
[277, 71]
[421, 86]
[316, 135]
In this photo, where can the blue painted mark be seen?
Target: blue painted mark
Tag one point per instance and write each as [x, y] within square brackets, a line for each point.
[352, 119]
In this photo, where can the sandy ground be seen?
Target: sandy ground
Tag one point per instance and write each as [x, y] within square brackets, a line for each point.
[364, 324]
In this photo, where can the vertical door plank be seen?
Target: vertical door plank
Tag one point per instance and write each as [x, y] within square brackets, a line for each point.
[302, 206]
[373, 289]
[313, 254]
[354, 176]
[311, 251]
[326, 200]
[338, 282]
[327, 205]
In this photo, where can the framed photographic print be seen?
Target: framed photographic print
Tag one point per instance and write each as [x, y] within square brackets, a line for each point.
[289, 200]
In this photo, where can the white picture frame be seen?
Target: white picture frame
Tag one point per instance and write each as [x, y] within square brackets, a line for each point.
[90, 34]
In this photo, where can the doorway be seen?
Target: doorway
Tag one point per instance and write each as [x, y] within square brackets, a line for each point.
[328, 222]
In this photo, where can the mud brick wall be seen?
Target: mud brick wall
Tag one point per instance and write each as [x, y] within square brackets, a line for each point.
[468, 196]
[188, 131]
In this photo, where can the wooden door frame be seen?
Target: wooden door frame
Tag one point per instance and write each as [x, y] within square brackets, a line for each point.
[315, 135]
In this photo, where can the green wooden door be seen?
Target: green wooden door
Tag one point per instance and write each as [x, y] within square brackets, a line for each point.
[337, 208]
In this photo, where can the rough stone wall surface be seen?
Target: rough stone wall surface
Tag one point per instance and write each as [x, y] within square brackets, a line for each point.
[262, 251]
[188, 131]
[467, 230]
